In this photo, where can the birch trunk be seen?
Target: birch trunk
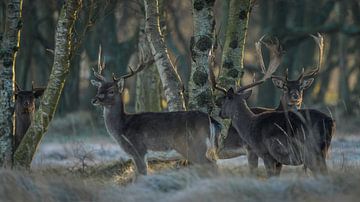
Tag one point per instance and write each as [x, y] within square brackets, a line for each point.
[9, 47]
[233, 52]
[170, 79]
[63, 46]
[200, 92]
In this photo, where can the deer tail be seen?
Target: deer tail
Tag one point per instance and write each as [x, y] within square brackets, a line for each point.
[212, 140]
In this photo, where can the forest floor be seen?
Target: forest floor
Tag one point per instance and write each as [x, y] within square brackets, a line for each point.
[77, 163]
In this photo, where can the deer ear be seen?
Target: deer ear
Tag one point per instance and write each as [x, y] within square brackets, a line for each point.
[95, 83]
[307, 83]
[120, 84]
[278, 83]
[247, 94]
[38, 92]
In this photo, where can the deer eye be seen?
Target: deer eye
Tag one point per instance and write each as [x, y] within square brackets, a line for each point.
[111, 92]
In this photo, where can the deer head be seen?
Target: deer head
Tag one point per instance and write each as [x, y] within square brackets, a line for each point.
[293, 89]
[109, 91]
[25, 100]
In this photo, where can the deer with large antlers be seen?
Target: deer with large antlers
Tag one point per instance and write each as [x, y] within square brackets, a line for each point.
[193, 134]
[280, 137]
[291, 99]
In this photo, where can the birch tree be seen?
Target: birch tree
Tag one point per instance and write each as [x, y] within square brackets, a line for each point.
[9, 47]
[200, 92]
[170, 79]
[233, 50]
[61, 67]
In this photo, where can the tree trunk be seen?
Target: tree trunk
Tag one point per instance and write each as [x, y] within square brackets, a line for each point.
[232, 57]
[233, 51]
[200, 92]
[148, 85]
[63, 44]
[9, 47]
[170, 79]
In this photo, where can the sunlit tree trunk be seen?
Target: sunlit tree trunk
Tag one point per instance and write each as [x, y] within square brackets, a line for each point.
[9, 47]
[63, 46]
[170, 79]
[200, 92]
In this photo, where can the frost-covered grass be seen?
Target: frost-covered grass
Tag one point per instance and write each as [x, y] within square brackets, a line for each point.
[79, 162]
[194, 184]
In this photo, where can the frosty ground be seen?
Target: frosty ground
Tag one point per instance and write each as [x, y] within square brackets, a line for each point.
[92, 167]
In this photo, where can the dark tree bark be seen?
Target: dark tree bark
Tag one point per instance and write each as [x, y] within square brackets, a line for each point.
[43, 116]
[9, 47]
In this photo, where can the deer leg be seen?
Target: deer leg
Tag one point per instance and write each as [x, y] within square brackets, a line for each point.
[278, 167]
[140, 164]
[253, 159]
[137, 152]
[272, 166]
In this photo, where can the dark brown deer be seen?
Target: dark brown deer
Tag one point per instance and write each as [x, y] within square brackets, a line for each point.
[291, 99]
[24, 110]
[279, 137]
[193, 134]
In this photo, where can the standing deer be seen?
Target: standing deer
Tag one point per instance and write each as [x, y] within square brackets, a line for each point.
[279, 137]
[291, 99]
[24, 111]
[193, 134]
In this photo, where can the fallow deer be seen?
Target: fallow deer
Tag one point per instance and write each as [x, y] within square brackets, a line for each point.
[291, 99]
[290, 138]
[24, 110]
[193, 134]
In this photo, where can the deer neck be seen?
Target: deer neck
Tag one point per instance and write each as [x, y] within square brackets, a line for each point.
[114, 116]
[242, 117]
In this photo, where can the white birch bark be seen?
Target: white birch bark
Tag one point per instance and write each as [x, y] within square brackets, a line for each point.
[170, 79]
[200, 92]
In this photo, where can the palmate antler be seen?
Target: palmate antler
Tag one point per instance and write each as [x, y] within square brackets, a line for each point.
[276, 53]
[319, 39]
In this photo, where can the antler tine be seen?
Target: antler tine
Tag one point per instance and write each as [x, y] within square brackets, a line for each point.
[259, 54]
[301, 76]
[276, 53]
[101, 66]
[319, 39]
[138, 69]
[17, 86]
[275, 59]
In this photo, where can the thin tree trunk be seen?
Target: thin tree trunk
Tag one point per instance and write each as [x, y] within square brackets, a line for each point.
[9, 47]
[63, 44]
[200, 92]
[170, 79]
[148, 94]
[232, 57]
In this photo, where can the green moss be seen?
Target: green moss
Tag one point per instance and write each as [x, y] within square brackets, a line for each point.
[234, 73]
[200, 78]
[204, 43]
[199, 4]
[204, 98]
